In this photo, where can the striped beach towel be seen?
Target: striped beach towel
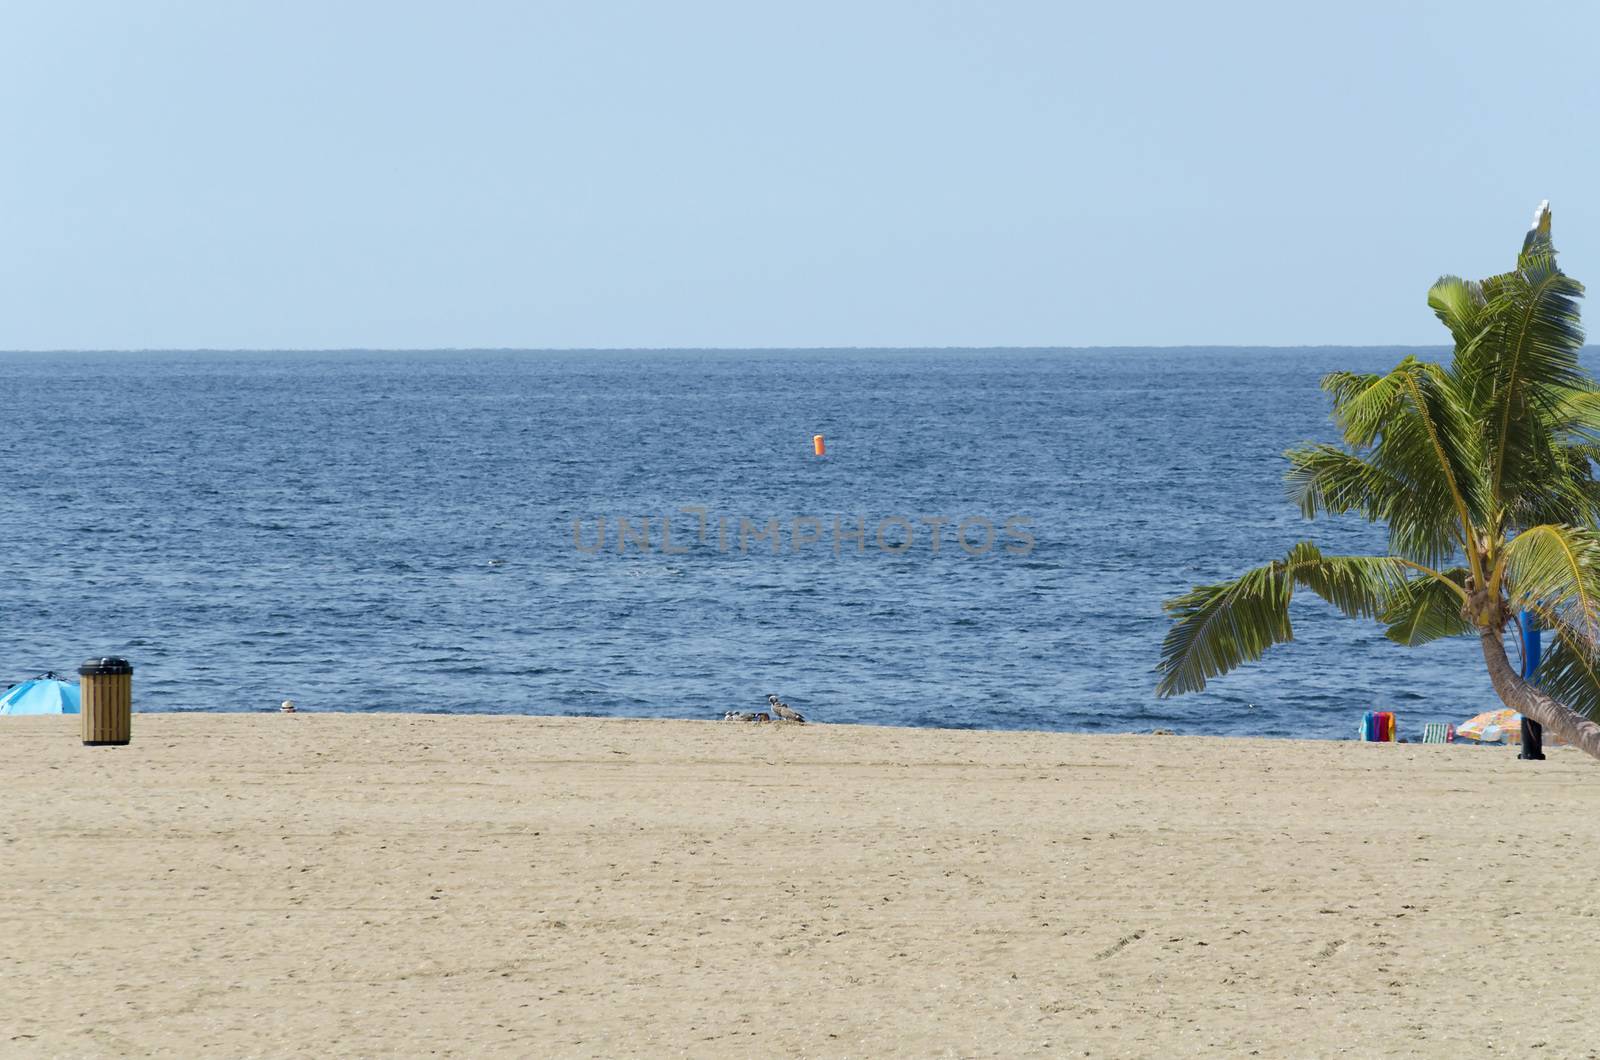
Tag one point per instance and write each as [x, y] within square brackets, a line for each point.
[1378, 726]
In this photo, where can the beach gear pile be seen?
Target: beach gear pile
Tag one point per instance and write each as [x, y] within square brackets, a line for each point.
[1494, 726]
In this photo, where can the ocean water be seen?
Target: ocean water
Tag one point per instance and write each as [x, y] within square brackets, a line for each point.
[395, 531]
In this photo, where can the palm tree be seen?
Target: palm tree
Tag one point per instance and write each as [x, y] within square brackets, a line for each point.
[1483, 470]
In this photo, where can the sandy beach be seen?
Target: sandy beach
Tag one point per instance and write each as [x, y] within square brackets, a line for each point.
[419, 885]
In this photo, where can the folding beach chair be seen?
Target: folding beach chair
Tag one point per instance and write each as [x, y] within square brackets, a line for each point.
[1436, 732]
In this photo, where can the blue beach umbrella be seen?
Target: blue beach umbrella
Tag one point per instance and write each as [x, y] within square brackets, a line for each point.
[41, 695]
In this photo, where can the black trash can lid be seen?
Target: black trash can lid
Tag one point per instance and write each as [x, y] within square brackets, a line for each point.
[110, 664]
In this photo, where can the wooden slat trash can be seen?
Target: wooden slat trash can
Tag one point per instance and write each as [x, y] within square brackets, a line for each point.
[107, 707]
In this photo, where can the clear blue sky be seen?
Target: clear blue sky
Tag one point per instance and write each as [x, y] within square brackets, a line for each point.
[327, 174]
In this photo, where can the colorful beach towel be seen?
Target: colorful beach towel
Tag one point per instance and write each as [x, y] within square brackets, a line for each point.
[1378, 726]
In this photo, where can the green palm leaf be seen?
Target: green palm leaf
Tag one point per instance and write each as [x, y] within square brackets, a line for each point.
[1423, 457]
[1363, 403]
[1520, 373]
[1422, 521]
[1218, 627]
[1459, 304]
[1427, 609]
[1571, 496]
[1555, 572]
[1576, 413]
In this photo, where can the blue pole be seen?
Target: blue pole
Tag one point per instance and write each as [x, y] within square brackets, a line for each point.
[1530, 644]
[1532, 731]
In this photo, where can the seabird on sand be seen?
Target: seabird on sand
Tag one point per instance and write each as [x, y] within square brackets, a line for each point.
[783, 710]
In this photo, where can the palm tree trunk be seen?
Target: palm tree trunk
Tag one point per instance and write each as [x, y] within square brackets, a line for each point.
[1521, 696]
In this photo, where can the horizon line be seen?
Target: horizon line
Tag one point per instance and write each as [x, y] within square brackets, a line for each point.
[721, 349]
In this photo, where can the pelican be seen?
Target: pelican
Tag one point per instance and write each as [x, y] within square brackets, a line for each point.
[784, 711]
[1538, 237]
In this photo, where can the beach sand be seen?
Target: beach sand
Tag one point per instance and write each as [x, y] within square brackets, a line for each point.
[486, 886]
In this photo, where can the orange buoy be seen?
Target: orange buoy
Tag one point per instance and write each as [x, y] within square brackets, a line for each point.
[816, 443]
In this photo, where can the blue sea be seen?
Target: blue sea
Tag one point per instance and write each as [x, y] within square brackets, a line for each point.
[370, 531]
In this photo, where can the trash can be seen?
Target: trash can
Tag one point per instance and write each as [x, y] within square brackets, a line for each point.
[107, 707]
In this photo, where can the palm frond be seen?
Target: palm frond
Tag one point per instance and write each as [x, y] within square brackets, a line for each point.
[1575, 413]
[1459, 305]
[1518, 376]
[1555, 571]
[1580, 489]
[1362, 403]
[1421, 517]
[1437, 445]
[1327, 479]
[1427, 609]
[1570, 496]
[1412, 425]
[1217, 628]
[1359, 586]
